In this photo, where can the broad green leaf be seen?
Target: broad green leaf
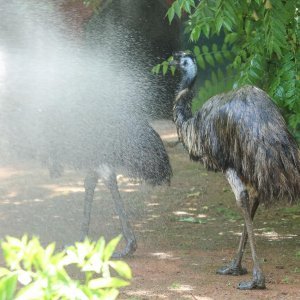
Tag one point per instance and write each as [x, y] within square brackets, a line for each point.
[195, 34]
[121, 268]
[8, 286]
[196, 50]
[200, 61]
[205, 49]
[218, 23]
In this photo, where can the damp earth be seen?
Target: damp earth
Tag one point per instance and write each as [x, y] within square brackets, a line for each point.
[185, 231]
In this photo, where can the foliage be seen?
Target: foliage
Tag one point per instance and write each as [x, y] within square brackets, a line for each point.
[259, 46]
[41, 273]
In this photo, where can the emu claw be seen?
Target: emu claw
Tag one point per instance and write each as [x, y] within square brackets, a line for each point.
[128, 251]
[232, 270]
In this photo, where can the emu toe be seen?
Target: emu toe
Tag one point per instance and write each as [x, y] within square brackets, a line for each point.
[130, 248]
[232, 269]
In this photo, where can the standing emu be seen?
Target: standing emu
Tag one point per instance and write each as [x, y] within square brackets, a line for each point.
[136, 150]
[101, 142]
[242, 134]
[116, 144]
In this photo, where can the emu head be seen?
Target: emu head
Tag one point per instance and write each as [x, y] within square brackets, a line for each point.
[187, 65]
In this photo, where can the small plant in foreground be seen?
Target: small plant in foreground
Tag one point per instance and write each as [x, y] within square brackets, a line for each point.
[34, 272]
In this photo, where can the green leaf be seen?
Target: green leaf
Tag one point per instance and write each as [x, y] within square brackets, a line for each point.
[200, 61]
[219, 23]
[206, 30]
[237, 62]
[122, 269]
[165, 67]
[210, 59]
[195, 34]
[8, 285]
[177, 8]
[171, 13]
[205, 49]
[156, 69]
[196, 50]
[110, 248]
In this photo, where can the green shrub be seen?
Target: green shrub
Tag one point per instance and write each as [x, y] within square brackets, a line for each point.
[258, 45]
[34, 272]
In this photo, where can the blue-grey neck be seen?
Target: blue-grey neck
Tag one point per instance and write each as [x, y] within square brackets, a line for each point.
[188, 77]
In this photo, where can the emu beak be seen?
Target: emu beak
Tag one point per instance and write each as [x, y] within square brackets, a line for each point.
[176, 57]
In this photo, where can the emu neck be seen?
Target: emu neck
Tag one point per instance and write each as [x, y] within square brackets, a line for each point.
[182, 110]
[187, 82]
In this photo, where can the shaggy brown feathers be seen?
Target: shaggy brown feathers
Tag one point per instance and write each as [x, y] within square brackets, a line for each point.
[245, 131]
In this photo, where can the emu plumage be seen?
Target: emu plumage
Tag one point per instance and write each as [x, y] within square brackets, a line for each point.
[242, 134]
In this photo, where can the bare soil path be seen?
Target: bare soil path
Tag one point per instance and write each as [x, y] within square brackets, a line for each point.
[185, 232]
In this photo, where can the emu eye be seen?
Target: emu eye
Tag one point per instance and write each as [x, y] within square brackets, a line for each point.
[185, 63]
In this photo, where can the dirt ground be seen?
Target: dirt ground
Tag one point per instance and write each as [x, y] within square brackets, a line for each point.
[185, 231]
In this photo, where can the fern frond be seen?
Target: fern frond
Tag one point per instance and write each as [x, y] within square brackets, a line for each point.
[275, 21]
[220, 81]
[212, 57]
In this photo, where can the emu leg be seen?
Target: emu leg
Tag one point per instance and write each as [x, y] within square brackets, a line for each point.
[242, 200]
[90, 183]
[128, 234]
[235, 267]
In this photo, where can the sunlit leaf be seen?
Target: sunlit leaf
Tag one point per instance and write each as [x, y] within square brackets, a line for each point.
[110, 248]
[122, 269]
[8, 286]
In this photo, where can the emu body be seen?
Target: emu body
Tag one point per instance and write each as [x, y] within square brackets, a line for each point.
[242, 134]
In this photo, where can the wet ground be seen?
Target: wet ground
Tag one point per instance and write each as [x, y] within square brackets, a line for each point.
[185, 232]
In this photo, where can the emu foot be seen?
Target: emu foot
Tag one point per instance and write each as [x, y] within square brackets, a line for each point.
[232, 269]
[130, 248]
[258, 282]
[252, 285]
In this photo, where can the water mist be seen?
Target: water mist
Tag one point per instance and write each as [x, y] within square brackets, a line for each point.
[68, 104]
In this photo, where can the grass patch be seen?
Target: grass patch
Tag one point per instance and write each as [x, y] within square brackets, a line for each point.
[228, 213]
[291, 210]
[193, 220]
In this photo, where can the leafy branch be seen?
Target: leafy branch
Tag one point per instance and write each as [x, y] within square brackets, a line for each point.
[260, 45]
[42, 273]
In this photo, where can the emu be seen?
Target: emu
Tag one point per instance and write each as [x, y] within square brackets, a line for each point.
[242, 134]
[103, 144]
[136, 150]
